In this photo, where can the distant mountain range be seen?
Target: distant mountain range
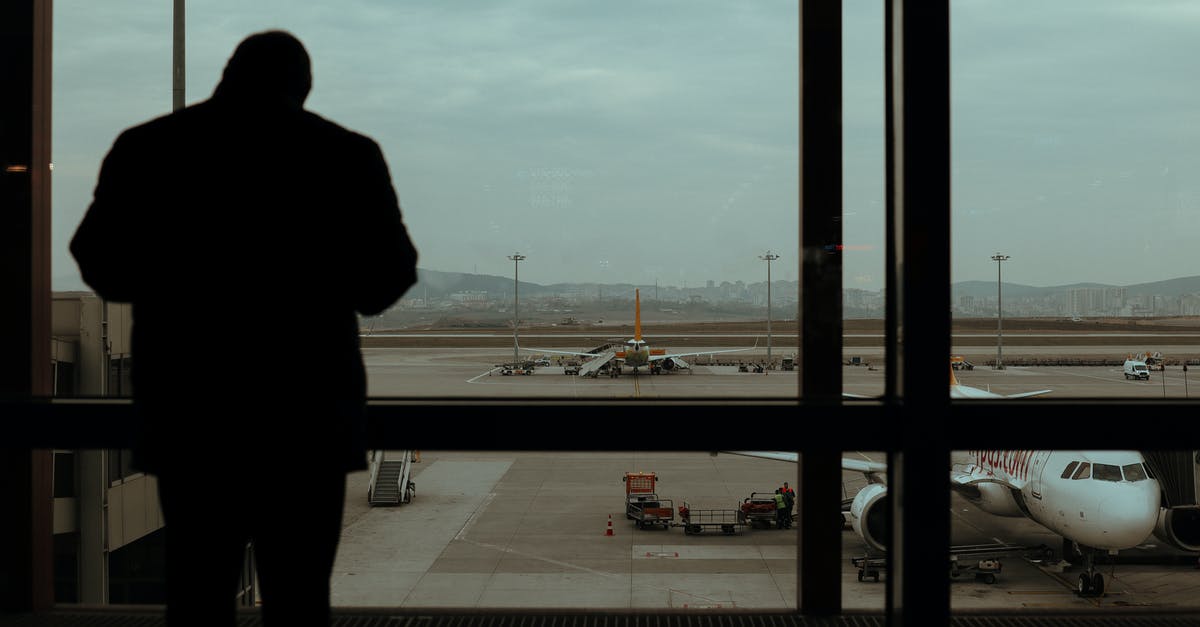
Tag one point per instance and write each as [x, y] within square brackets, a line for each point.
[435, 284]
[440, 284]
[987, 289]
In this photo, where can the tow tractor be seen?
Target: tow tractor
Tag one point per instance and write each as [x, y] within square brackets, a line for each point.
[642, 503]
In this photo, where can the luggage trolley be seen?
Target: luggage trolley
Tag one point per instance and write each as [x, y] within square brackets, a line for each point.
[695, 521]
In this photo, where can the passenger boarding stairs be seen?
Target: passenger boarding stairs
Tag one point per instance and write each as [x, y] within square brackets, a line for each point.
[391, 479]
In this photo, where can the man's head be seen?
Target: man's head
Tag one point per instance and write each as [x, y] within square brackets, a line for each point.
[271, 66]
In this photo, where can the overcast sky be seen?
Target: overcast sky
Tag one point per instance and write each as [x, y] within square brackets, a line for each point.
[650, 141]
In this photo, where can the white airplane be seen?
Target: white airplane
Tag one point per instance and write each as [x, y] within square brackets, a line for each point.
[958, 390]
[637, 353]
[1096, 500]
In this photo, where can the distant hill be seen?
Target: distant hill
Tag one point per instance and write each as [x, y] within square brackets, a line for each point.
[437, 285]
[987, 289]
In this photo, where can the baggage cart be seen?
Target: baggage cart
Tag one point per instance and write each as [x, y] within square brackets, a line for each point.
[648, 510]
[759, 510]
[695, 521]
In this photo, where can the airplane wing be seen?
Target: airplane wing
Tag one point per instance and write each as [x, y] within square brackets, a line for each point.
[693, 354]
[781, 456]
[1028, 394]
[967, 392]
[593, 365]
[557, 352]
[872, 470]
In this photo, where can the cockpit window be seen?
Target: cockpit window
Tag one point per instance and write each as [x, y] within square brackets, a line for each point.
[1106, 472]
[1134, 472]
[1083, 472]
[1069, 469]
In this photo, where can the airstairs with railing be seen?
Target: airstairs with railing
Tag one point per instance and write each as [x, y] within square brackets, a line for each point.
[391, 478]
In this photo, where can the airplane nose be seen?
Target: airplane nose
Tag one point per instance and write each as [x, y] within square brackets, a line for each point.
[1128, 517]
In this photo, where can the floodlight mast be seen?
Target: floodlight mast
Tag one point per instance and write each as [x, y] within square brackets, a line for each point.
[517, 258]
[999, 259]
[769, 257]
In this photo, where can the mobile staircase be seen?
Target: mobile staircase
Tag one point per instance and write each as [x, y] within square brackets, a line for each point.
[391, 479]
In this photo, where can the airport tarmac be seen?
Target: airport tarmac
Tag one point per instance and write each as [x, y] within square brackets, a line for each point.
[530, 530]
[473, 373]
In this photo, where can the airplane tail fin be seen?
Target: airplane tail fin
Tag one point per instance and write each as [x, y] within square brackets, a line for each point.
[953, 379]
[637, 315]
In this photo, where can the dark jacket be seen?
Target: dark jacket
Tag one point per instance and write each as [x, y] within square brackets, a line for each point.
[246, 236]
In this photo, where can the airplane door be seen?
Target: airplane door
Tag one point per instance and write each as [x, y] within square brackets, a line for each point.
[1036, 466]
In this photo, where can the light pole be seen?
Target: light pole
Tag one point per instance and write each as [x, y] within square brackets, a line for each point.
[769, 257]
[999, 259]
[517, 258]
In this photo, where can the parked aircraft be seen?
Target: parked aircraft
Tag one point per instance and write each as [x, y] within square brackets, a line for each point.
[1096, 500]
[637, 353]
[958, 390]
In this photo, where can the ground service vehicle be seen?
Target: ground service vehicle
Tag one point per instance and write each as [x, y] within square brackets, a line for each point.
[1135, 369]
[650, 511]
[642, 503]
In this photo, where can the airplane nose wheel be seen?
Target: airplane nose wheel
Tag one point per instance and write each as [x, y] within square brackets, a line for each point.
[1091, 582]
[1090, 585]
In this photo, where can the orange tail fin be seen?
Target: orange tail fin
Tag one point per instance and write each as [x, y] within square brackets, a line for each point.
[637, 315]
[953, 379]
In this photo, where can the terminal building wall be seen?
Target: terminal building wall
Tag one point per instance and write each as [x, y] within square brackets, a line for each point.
[107, 519]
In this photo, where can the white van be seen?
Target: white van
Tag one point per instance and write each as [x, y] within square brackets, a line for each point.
[1135, 369]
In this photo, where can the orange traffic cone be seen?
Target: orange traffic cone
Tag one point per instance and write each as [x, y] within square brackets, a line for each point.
[609, 531]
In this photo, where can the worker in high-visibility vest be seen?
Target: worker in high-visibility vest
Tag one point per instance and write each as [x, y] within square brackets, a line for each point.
[780, 509]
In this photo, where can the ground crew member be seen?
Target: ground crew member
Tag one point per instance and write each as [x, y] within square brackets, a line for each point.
[790, 496]
[780, 509]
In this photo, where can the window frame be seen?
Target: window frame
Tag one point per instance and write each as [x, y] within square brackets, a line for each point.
[912, 421]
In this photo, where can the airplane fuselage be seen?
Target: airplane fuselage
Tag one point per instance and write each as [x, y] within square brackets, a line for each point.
[1100, 499]
[636, 355]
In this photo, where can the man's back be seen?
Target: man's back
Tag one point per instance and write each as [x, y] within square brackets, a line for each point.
[247, 233]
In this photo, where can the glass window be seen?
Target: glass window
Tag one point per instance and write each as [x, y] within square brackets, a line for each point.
[549, 131]
[1106, 472]
[1066, 473]
[1083, 472]
[1038, 165]
[1134, 472]
[64, 474]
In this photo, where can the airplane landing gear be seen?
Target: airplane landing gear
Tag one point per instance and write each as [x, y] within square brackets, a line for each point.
[1091, 582]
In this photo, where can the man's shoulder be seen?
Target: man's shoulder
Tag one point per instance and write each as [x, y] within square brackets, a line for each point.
[332, 131]
[168, 122]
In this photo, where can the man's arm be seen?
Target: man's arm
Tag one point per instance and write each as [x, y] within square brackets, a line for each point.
[388, 259]
[103, 244]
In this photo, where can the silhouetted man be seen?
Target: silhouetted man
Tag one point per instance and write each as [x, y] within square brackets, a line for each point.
[247, 232]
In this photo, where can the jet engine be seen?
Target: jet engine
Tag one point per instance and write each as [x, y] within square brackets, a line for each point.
[1179, 526]
[868, 516]
[994, 498]
[673, 363]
